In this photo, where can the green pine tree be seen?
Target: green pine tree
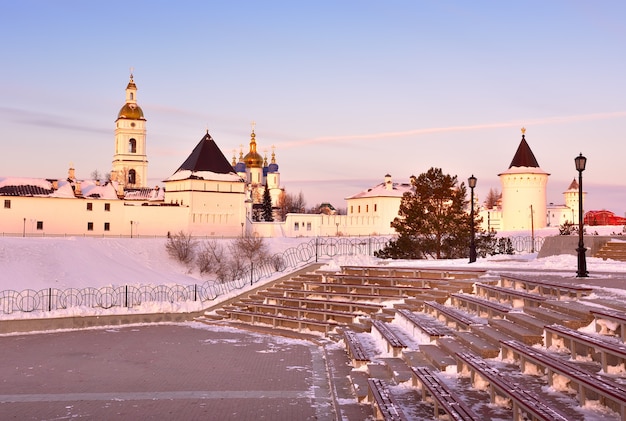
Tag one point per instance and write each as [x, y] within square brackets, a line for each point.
[267, 206]
[433, 221]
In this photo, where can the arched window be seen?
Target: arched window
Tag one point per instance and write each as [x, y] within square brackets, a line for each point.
[132, 146]
[132, 96]
[132, 177]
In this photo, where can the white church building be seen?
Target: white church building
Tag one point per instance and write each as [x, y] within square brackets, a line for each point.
[208, 196]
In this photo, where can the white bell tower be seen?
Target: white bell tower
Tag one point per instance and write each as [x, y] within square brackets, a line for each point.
[130, 162]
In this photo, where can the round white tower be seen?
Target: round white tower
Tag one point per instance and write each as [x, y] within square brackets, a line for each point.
[130, 162]
[524, 198]
[572, 200]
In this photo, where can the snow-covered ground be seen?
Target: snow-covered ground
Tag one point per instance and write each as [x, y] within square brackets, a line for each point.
[77, 262]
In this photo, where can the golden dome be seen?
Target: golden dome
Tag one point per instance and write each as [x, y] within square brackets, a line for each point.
[131, 111]
[253, 159]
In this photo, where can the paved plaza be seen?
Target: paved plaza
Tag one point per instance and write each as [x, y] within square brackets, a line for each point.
[162, 372]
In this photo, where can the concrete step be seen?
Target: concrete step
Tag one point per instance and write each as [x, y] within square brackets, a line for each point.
[550, 316]
[490, 334]
[451, 346]
[437, 357]
[398, 369]
[527, 321]
[478, 345]
[358, 379]
[571, 308]
[520, 333]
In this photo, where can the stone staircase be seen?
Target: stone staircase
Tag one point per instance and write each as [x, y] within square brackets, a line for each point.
[615, 250]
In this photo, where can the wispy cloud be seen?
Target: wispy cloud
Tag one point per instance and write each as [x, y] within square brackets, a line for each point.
[45, 120]
[465, 128]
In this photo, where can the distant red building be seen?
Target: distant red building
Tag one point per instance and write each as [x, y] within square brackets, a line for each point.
[603, 217]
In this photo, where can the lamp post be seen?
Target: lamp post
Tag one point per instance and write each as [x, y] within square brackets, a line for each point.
[337, 232]
[131, 229]
[472, 252]
[581, 162]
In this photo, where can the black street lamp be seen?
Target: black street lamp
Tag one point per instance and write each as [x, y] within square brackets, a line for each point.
[581, 162]
[472, 252]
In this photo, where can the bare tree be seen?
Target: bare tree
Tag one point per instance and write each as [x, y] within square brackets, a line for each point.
[289, 203]
[210, 256]
[493, 197]
[181, 247]
[95, 175]
[251, 248]
[232, 263]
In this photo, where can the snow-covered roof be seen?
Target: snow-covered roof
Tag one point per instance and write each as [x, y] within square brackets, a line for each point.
[146, 193]
[524, 170]
[64, 188]
[203, 175]
[381, 190]
[94, 190]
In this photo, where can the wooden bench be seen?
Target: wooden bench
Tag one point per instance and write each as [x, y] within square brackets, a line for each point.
[413, 272]
[481, 306]
[451, 315]
[541, 287]
[300, 325]
[325, 305]
[602, 316]
[443, 284]
[344, 278]
[425, 324]
[341, 296]
[524, 401]
[398, 291]
[589, 343]
[385, 408]
[443, 398]
[338, 317]
[588, 385]
[355, 349]
[514, 296]
[395, 344]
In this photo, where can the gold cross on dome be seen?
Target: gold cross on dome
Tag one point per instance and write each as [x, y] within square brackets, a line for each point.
[253, 124]
[523, 130]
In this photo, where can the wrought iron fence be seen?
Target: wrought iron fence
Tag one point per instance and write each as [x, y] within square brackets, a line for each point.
[132, 296]
[526, 244]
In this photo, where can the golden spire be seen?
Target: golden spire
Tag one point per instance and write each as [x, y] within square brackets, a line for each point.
[234, 157]
[523, 131]
[241, 152]
[273, 154]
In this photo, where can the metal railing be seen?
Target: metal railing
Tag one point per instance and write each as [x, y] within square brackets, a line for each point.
[132, 296]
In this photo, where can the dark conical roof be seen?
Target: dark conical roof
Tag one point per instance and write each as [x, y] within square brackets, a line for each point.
[524, 157]
[207, 156]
